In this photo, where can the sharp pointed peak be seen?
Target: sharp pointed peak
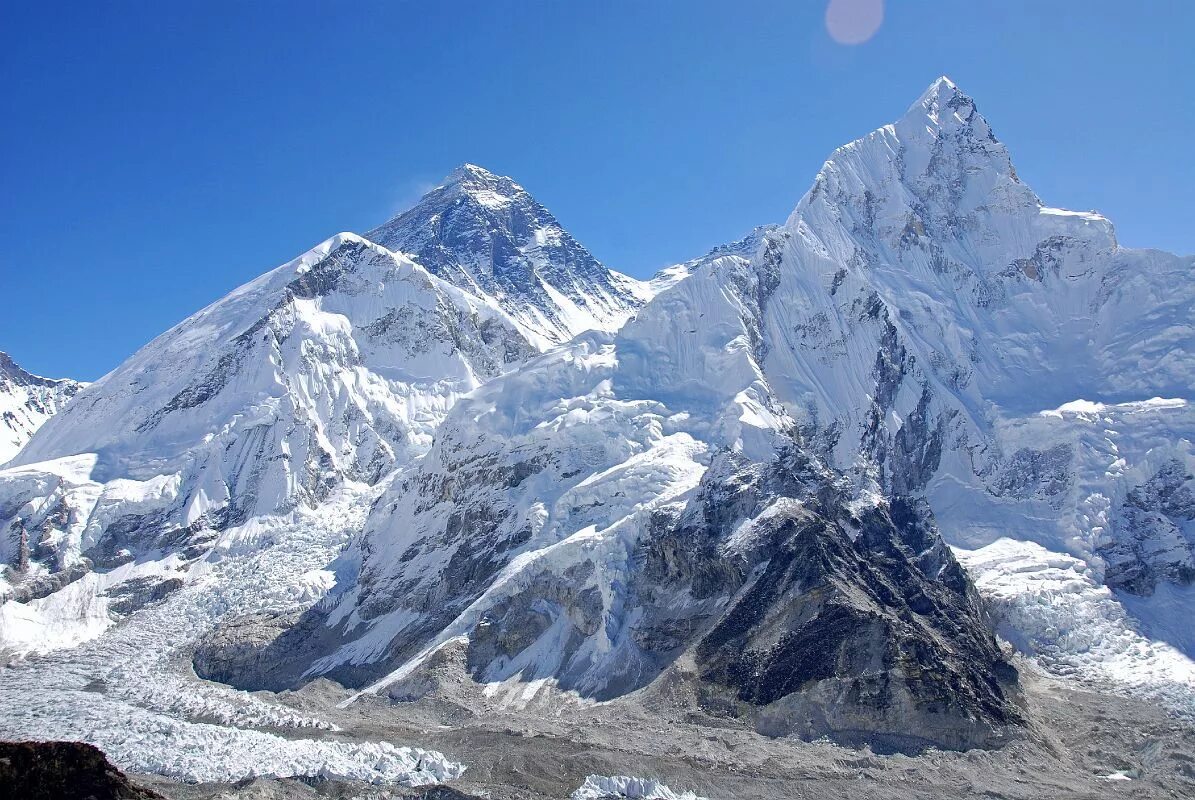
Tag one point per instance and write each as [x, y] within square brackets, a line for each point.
[469, 171]
[942, 84]
[473, 176]
[940, 101]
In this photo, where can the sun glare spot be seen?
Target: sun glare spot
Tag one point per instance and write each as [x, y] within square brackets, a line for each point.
[854, 21]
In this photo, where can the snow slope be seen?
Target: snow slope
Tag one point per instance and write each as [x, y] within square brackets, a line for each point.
[26, 402]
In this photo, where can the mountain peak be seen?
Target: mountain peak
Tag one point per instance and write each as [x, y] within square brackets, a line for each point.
[945, 108]
[941, 93]
[467, 171]
[938, 171]
[11, 370]
[27, 401]
[486, 234]
[491, 190]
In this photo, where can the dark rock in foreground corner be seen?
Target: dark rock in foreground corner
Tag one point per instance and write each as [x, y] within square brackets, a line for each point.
[63, 771]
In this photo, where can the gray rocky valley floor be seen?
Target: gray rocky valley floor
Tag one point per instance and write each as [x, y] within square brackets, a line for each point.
[1081, 744]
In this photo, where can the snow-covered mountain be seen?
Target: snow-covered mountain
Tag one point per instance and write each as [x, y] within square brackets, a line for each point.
[334, 367]
[737, 484]
[638, 504]
[485, 234]
[26, 402]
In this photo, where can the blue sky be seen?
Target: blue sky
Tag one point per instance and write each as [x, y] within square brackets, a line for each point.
[156, 155]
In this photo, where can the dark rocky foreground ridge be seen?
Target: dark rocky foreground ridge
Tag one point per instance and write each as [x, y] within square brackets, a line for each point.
[63, 771]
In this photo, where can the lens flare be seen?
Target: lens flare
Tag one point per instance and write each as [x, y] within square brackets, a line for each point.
[854, 21]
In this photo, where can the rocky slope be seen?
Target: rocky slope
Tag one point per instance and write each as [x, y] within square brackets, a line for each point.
[26, 402]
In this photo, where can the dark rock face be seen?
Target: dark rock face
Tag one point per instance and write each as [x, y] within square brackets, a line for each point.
[1155, 536]
[827, 624]
[247, 651]
[854, 639]
[136, 594]
[63, 771]
[1034, 473]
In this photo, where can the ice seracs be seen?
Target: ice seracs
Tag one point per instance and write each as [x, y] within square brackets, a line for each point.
[609, 787]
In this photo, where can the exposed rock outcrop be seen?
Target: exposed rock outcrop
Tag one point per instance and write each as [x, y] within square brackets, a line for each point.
[64, 771]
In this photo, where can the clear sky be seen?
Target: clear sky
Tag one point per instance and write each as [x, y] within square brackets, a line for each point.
[156, 155]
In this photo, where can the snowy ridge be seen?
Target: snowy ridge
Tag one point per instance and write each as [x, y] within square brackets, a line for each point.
[743, 249]
[26, 402]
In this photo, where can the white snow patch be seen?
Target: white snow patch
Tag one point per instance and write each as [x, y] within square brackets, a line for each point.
[599, 787]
